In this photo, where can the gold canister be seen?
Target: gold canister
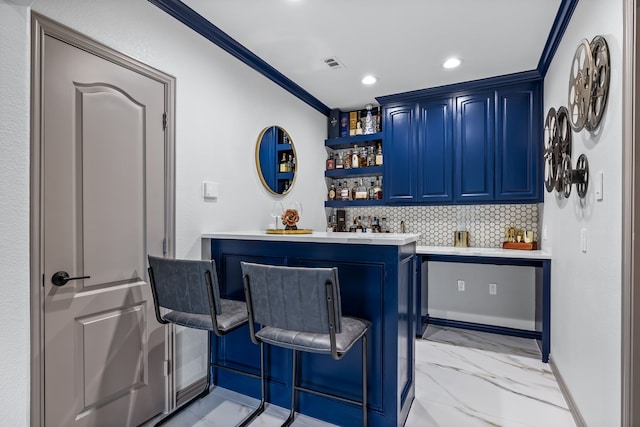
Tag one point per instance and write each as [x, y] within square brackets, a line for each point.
[461, 239]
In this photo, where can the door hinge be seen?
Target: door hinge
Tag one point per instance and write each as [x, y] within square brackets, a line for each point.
[164, 121]
[166, 368]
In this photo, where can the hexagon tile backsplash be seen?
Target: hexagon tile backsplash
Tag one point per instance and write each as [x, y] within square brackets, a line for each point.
[485, 223]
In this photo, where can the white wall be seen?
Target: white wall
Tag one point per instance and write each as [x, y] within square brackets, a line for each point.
[221, 107]
[14, 214]
[586, 287]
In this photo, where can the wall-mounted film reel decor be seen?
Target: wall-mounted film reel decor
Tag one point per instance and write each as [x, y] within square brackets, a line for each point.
[589, 84]
[558, 174]
[578, 176]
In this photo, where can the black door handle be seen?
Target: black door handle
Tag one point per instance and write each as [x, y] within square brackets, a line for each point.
[62, 277]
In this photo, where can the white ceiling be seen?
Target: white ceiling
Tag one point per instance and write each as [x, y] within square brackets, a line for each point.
[403, 42]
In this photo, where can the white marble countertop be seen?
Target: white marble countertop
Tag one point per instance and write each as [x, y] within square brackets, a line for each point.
[490, 252]
[393, 239]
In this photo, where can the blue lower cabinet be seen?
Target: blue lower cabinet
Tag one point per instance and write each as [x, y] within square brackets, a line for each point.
[378, 283]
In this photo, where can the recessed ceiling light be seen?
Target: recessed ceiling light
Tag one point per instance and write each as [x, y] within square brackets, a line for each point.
[369, 80]
[452, 63]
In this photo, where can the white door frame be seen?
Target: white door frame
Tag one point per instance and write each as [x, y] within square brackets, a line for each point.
[630, 322]
[40, 27]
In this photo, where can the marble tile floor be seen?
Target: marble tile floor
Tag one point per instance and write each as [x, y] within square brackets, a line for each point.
[463, 379]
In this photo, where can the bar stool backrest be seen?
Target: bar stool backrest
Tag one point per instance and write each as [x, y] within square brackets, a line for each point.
[181, 285]
[294, 298]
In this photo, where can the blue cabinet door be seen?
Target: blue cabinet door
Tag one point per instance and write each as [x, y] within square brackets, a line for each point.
[474, 147]
[435, 149]
[400, 178]
[518, 159]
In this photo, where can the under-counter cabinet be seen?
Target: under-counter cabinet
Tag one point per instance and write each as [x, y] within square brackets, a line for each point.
[480, 146]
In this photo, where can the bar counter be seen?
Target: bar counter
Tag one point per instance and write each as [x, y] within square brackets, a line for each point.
[377, 275]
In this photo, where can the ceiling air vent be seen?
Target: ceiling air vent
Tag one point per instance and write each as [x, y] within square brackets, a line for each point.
[333, 63]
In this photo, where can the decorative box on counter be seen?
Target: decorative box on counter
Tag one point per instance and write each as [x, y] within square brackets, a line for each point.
[516, 238]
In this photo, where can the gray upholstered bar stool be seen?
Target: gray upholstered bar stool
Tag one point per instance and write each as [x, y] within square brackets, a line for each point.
[299, 308]
[188, 292]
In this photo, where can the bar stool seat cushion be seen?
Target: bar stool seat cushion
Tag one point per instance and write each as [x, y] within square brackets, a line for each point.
[233, 313]
[351, 330]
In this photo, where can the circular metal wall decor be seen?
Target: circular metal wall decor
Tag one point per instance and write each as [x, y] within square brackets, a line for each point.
[578, 176]
[589, 84]
[557, 146]
[580, 81]
[600, 85]
[550, 150]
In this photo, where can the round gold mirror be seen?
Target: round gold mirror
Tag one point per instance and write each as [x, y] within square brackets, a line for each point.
[276, 160]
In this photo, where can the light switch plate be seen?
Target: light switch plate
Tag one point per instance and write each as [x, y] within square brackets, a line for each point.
[583, 240]
[599, 185]
[210, 190]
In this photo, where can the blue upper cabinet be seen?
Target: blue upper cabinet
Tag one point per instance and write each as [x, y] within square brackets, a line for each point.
[400, 178]
[477, 145]
[518, 159]
[474, 147]
[435, 148]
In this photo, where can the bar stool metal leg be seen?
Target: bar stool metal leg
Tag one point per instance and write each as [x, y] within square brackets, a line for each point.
[364, 380]
[294, 375]
[260, 409]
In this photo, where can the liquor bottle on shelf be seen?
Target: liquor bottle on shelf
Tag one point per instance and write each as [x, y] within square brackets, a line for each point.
[372, 192]
[330, 163]
[353, 190]
[361, 191]
[379, 120]
[345, 193]
[378, 190]
[379, 155]
[368, 121]
[362, 158]
[332, 192]
[338, 160]
[290, 163]
[371, 156]
[346, 159]
[355, 157]
[283, 164]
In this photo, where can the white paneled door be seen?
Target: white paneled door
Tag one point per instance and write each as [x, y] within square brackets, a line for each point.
[103, 210]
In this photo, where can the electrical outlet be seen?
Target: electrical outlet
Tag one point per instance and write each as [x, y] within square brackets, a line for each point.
[461, 285]
[493, 288]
